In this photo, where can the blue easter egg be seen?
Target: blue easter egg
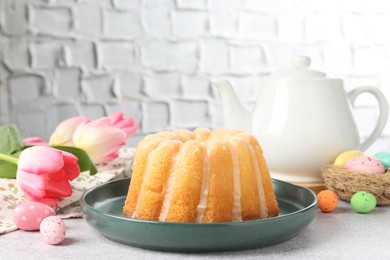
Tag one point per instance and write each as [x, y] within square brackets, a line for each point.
[384, 157]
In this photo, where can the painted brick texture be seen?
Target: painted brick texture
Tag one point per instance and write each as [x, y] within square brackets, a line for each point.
[153, 59]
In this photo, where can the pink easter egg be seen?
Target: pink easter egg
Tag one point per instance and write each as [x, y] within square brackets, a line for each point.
[53, 230]
[367, 164]
[29, 215]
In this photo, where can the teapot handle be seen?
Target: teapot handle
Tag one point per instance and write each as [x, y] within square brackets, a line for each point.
[383, 112]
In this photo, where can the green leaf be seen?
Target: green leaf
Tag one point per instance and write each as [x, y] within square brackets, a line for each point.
[10, 140]
[84, 161]
[8, 170]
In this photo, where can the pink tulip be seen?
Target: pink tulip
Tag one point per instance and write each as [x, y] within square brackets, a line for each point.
[44, 173]
[99, 139]
[63, 134]
[126, 124]
[34, 141]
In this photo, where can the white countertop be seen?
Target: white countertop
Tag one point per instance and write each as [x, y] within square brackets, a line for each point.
[342, 234]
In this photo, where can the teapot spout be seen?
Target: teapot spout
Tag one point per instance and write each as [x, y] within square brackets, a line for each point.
[235, 116]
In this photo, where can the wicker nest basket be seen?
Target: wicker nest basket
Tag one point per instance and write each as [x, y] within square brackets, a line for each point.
[346, 183]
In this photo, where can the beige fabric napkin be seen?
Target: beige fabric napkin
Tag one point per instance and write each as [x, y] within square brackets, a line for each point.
[11, 195]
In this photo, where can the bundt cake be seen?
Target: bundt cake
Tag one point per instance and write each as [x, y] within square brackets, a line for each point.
[200, 176]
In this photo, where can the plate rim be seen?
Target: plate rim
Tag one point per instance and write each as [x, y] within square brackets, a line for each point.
[83, 204]
[200, 237]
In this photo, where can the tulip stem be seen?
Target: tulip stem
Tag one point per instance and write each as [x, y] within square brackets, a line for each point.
[8, 158]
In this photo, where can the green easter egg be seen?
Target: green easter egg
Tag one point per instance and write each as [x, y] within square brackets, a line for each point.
[363, 202]
[384, 157]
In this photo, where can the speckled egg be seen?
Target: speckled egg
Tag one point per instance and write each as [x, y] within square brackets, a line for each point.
[363, 202]
[366, 164]
[327, 200]
[53, 230]
[384, 157]
[29, 215]
[342, 158]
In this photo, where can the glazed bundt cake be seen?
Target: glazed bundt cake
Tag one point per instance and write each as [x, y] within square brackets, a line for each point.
[200, 176]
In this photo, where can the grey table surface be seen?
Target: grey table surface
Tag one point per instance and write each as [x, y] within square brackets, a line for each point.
[342, 234]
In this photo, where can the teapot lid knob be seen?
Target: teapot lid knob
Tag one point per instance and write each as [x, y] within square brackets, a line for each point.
[300, 70]
[301, 62]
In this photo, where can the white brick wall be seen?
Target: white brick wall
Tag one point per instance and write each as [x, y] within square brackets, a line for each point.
[116, 55]
[257, 26]
[153, 59]
[89, 20]
[121, 24]
[45, 55]
[162, 55]
[51, 20]
[188, 23]
[214, 58]
[156, 22]
[14, 22]
[83, 55]
[16, 54]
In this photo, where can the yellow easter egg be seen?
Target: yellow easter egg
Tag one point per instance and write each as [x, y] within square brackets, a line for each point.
[345, 156]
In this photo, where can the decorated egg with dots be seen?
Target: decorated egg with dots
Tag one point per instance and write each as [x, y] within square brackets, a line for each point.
[327, 200]
[29, 215]
[384, 157]
[53, 230]
[363, 202]
[366, 164]
[342, 158]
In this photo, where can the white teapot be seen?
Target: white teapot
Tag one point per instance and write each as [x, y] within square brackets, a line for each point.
[302, 120]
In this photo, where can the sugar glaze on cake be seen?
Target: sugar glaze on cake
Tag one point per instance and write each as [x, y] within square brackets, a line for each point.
[200, 176]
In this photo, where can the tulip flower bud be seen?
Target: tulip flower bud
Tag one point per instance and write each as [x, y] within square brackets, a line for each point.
[63, 134]
[44, 173]
[99, 139]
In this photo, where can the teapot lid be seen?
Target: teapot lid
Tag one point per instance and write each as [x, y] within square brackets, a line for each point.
[300, 69]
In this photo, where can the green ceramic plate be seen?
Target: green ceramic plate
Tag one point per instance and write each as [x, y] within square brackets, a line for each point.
[102, 207]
